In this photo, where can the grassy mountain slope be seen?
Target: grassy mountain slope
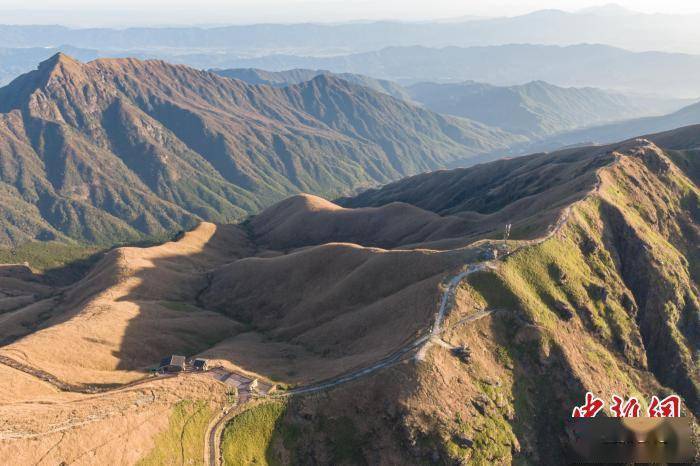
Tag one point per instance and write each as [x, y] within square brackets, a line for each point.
[528, 192]
[607, 302]
[118, 150]
[441, 208]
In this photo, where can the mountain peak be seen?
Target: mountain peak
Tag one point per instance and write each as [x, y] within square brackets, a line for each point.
[59, 57]
[330, 82]
[58, 66]
[16, 93]
[57, 61]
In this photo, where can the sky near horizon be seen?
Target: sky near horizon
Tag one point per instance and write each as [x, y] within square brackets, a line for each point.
[181, 12]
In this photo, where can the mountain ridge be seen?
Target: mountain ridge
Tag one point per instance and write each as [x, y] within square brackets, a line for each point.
[296, 76]
[114, 137]
[535, 109]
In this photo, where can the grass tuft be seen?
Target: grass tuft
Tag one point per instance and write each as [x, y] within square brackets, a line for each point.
[247, 438]
[183, 442]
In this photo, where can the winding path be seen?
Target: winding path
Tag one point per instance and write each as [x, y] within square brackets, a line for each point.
[388, 361]
[421, 344]
[212, 440]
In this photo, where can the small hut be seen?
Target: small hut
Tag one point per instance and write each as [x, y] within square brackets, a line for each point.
[172, 363]
[200, 364]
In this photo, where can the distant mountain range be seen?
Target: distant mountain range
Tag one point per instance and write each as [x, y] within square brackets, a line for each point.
[612, 26]
[117, 150]
[535, 109]
[667, 74]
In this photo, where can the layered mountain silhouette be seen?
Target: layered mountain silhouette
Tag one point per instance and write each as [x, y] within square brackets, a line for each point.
[121, 149]
[664, 74]
[602, 66]
[613, 26]
[536, 109]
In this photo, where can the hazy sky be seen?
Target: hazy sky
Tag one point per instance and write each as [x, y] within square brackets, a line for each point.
[160, 12]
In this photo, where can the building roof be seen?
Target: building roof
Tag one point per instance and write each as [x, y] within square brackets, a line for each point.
[173, 360]
[199, 362]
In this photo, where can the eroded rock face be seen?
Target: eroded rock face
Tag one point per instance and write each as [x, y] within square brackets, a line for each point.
[659, 295]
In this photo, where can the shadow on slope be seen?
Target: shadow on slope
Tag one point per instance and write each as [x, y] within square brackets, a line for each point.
[128, 312]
